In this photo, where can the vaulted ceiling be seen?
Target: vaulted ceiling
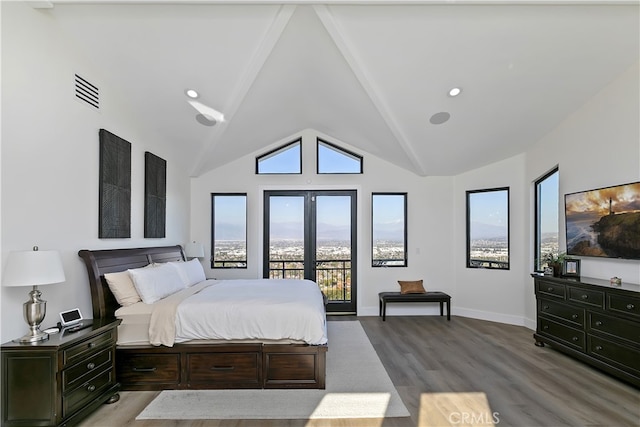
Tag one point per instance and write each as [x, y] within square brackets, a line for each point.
[368, 73]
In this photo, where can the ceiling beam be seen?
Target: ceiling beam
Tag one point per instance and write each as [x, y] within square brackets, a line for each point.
[367, 82]
[244, 84]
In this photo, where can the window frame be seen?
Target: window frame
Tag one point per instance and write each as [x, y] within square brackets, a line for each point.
[275, 152]
[405, 231]
[241, 264]
[537, 248]
[343, 151]
[469, 193]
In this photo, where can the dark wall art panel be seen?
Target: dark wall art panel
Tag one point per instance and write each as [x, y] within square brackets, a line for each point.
[155, 196]
[115, 187]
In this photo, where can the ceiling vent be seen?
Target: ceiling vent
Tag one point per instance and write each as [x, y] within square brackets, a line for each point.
[87, 93]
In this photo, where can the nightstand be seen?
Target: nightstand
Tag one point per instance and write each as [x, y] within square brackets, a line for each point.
[60, 380]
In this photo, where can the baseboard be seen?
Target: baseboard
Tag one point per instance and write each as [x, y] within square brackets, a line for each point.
[418, 309]
[508, 319]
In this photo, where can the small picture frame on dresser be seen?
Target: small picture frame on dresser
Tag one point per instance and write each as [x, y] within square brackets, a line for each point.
[571, 268]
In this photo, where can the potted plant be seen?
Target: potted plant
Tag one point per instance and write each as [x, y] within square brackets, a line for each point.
[554, 261]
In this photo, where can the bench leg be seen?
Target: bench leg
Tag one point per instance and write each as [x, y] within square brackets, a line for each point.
[384, 310]
[441, 304]
[448, 309]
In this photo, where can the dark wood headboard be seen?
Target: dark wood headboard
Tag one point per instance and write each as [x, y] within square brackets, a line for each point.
[104, 261]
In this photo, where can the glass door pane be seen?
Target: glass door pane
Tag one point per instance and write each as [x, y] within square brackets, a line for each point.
[286, 237]
[334, 247]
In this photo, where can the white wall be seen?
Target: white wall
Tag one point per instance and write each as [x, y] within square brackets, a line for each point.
[430, 225]
[597, 146]
[602, 134]
[484, 293]
[50, 162]
[50, 180]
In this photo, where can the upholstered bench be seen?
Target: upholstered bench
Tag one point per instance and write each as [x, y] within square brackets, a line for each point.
[441, 297]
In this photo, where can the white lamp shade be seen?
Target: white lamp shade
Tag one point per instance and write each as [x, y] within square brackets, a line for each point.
[194, 250]
[33, 268]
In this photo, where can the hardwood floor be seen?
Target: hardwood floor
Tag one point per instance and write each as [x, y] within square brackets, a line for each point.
[462, 372]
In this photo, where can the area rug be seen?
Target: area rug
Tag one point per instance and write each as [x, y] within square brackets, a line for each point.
[358, 386]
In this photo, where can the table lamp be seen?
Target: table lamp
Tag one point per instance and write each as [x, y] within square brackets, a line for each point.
[194, 250]
[33, 268]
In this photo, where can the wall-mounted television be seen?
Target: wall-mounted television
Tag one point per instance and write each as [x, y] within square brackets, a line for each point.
[604, 222]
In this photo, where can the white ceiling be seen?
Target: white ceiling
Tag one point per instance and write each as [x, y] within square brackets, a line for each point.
[368, 74]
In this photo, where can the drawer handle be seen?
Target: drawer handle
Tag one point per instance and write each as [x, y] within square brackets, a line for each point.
[575, 338]
[630, 306]
[546, 307]
[545, 327]
[91, 365]
[91, 388]
[549, 289]
[134, 369]
[598, 322]
[92, 344]
[575, 316]
[585, 296]
[222, 368]
[598, 347]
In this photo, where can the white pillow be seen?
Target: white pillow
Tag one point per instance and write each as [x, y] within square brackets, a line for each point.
[155, 283]
[190, 271]
[122, 288]
[181, 271]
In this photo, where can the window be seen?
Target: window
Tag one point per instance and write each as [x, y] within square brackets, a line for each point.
[389, 229]
[333, 159]
[546, 217]
[283, 160]
[488, 228]
[229, 230]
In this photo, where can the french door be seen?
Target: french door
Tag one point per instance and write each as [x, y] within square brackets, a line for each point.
[312, 235]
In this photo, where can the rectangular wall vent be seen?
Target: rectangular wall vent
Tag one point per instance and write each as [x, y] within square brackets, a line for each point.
[87, 93]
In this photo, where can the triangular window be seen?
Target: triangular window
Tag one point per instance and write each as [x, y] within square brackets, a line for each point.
[333, 159]
[286, 159]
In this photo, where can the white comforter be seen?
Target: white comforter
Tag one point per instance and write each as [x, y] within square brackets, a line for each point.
[268, 309]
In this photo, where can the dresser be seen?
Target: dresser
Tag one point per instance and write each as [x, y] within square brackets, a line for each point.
[593, 321]
[59, 381]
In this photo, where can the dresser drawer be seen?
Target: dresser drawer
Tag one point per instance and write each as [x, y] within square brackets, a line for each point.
[565, 334]
[549, 289]
[75, 375]
[86, 392]
[624, 304]
[627, 357]
[573, 315]
[83, 349]
[586, 297]
[224, 368]
[140, 368]
[620, 328]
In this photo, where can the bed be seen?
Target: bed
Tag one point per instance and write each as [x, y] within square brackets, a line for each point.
[198, 363]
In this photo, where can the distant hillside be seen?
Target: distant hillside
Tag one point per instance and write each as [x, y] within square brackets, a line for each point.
[482, 231]
[619, 234]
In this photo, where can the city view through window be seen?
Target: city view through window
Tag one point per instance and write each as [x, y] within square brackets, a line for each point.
[547, 214]
[487, 232]
[488, 228]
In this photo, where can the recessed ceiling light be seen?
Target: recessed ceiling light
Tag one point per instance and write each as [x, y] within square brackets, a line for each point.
[191, 93]
[455, 91]
[439, 118]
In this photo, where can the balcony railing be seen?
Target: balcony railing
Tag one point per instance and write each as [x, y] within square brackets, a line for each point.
[228, 264]
[333, 276]
[489, 263]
